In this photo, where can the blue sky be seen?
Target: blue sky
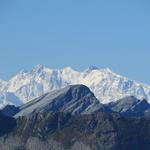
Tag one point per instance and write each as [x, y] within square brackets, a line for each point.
[79, 33]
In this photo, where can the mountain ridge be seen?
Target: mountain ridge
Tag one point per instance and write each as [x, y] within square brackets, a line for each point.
[104, 83]
[74, 99]
[78, 100]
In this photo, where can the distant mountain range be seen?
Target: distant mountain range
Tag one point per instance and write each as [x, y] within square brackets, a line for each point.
[106, 85]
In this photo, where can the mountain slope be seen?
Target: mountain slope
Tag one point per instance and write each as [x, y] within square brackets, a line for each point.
[75, 99]
[63, 131]
[6, 124]
[130, 107]
[105, 84]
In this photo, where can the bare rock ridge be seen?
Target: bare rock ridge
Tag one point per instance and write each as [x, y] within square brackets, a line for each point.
[75, 99]
[130, 107]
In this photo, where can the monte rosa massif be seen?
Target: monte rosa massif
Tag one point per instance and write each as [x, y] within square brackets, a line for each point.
[106, 85]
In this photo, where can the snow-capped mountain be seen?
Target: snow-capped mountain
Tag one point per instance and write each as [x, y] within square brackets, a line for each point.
[105, 84]
[9, 98]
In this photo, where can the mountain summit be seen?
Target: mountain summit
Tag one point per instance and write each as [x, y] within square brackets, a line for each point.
[75, 99]
[106, 85]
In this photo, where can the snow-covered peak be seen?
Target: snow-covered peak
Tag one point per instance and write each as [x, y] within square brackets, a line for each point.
[107, 70]
[9, 99]
[90, 69]
[104, 83]
[38, 69]
[93, 68]
[67, 69]
[2, 81]
[3, 85]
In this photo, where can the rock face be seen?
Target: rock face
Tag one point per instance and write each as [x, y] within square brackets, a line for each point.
[64, 131]
[106, 85]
